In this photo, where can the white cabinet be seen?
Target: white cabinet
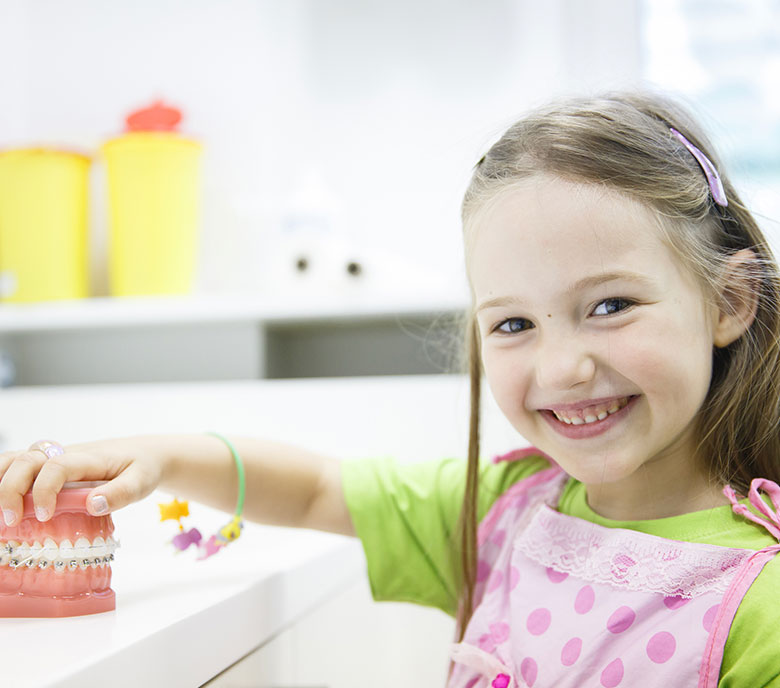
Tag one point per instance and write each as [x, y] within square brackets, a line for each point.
[351, 642]
[199, 339]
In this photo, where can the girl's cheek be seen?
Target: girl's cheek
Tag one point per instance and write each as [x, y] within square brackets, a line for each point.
[498, 367]
[508, 383]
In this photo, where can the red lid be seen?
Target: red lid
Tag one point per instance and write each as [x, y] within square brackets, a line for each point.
[156, 117]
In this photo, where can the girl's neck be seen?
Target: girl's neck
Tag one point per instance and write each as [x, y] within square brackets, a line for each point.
[653, 493]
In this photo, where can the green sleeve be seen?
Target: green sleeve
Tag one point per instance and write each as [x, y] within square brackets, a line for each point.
[752, 653]
[406, 516]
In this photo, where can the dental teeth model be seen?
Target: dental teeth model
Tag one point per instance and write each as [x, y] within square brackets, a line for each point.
[85, 553]
[61, 567]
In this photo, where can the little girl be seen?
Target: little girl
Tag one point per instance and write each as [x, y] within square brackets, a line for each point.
[626, 317]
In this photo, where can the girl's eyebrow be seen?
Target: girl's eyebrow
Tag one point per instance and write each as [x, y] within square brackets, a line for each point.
[579, 285]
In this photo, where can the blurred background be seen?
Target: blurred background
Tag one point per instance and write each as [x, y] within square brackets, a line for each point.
[330, 142]
[236, 190]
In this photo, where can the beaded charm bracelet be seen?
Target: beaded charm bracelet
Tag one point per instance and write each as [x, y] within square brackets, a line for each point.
[176, 510]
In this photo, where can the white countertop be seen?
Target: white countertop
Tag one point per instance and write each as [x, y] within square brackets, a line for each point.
[109, 313]
[179, 621]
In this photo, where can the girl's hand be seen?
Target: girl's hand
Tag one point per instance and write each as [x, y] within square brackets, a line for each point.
[131, 466]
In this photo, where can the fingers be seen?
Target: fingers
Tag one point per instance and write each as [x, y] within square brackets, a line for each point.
[19, 470]
[68, 467]
[130, 476]
[132, 484]
[22, 471]
[128, 481]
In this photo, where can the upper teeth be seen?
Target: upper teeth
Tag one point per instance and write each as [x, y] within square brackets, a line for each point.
[97, 552]
[591, 414]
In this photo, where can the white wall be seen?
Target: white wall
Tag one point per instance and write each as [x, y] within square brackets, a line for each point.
[389, 103]
[725, 58]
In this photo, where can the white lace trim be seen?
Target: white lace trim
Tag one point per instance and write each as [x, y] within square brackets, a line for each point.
[627, 559]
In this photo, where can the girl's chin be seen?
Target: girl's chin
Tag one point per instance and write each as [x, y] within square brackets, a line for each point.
[592, 468]
[606, 471]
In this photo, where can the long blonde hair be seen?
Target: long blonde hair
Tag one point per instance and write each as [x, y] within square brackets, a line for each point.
[623, 141]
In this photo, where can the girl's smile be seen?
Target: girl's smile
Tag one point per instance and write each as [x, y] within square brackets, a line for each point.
[592, 421]
[583, 311]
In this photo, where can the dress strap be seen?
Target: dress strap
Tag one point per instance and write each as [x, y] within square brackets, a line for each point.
[709, 671]
[772, 520]
[528, 493]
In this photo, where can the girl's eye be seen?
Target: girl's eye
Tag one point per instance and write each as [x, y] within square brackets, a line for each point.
[610, 306]
[610, 309]
[511, 326]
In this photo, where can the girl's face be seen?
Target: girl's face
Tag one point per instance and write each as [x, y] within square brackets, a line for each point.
[559, 327]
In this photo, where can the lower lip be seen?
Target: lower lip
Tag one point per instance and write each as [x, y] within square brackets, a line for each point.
[586, 430]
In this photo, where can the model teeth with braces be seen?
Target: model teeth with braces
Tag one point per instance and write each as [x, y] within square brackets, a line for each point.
[58, 567]
[62, 557]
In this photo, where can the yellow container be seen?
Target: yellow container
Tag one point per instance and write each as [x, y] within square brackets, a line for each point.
[154, 207]
[43, 225]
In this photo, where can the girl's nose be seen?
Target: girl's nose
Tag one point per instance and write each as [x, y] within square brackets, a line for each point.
[563, 363]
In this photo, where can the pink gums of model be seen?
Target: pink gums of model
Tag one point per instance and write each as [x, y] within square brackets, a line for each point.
[61, 567]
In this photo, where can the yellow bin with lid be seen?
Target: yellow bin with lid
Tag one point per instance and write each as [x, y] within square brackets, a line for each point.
[154, 205]
[43, 224]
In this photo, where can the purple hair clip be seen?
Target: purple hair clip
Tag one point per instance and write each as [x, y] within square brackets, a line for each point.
[713, 178]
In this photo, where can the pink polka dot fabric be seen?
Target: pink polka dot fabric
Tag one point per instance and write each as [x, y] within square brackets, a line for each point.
[555, 619]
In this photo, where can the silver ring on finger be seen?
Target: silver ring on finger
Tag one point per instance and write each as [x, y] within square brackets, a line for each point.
[48, 448]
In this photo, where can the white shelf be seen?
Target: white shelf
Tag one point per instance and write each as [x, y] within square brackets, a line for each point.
[110, 313]
[227, 337]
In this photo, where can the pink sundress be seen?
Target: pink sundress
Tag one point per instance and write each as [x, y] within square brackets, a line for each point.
[564, 603]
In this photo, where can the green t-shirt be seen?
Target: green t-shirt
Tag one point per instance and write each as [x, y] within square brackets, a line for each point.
[406, 516]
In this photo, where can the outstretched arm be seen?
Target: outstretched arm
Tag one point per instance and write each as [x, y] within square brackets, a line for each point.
[285, 485]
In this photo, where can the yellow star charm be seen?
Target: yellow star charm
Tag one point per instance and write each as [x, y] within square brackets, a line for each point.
[174, 510]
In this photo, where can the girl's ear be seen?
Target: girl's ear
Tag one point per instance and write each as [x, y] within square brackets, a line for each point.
[739, 300]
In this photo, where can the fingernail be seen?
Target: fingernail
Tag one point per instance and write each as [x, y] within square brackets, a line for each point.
[41, 513]
[9, 517]
[99, 505]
